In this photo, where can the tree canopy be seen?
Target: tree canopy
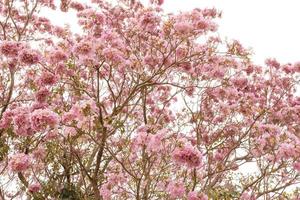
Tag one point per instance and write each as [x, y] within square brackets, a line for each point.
[140, 104]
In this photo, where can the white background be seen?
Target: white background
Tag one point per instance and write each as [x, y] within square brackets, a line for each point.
[270, 27]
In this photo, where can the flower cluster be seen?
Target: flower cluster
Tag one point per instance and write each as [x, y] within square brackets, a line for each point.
[42, 118]
[19, 162]
[29, 57]
[176, 189]
[188, 155]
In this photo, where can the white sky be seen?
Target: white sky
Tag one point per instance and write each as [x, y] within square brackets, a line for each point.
[270, 27]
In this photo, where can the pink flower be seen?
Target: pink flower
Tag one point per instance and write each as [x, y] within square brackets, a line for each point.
[247, 196]
[77, 6]
[39, 153]
[43, 118]
[176, 189]
[10, 48]
[113, 54]
[272, 62]
[73, 114]
[194, 196]
[41, 95]
[286, 150]
[19, 162]
[150, 60]
[105, 192]
[149, 21]
[52, 134]
[6, 119]
[35, 187]
[57, 56]
[181, 52]
[188, 155]
[159, 2]
[29, 57]
[155, 142]
[297, 166]
[83, 48]
[183, 27]
[203, 197]
[47, 78]
[240, 82]
[22, 122]
[297, 67]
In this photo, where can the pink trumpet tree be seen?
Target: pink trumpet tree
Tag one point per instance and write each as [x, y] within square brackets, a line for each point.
[140, 104]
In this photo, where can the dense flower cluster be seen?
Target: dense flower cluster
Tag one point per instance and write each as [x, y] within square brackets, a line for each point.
[11, 48]
[187, 155]
[22, 122]
[42, 118]
[19, 162]
[29, 57]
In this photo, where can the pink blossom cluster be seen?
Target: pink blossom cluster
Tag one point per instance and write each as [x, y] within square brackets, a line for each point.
[149, 21]
[11, 48]
[195, 196]
[176, 189]
[188, 155]
[42, 118]
[22, 122]
[47, 78]
[34, 187]
[20, 162]
[29, 57]
[105, 192]
[152, 142]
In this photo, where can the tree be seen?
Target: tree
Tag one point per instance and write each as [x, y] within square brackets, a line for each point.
[140, 105]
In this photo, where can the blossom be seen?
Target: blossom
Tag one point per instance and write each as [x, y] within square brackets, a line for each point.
[247, 196]
[181, 52]
[43, 118]
[19, 162]
[195, 196]
[151, 61]
[29, 57]
[155, 141]
[34, 187]
[105, 192]
[47, 78]
[272, 62]
[148, 21]
[77, 6]
[39, 152]
[83, 48]
[10, 48]
[183, 27]
[159, 2]
[297, 166]
[113, 54]
[41, 95]
[22, 122]
[57, 56]
[6, 119]
[286, 150]
[297, 67]
[176, 189]
[188, 155]
[240, 82]
[51, 135]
